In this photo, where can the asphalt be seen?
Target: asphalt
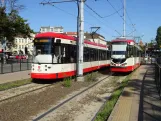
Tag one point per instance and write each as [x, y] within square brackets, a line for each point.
[10, 77]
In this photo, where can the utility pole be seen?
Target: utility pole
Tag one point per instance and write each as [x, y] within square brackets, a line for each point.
[80, 42]
[124, 31]
[80, 34]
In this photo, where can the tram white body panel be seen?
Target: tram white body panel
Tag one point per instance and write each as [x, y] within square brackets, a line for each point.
[123, 60]
[53, 66]
[57, 68]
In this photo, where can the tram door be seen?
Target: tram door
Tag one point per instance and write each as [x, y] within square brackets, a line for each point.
[57, 53]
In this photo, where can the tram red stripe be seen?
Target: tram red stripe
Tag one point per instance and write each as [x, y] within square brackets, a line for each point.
[124, 69]
[63, 74]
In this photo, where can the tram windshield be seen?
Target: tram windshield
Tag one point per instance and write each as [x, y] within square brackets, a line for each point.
[119, 43]
[43, 46]
[118, 52]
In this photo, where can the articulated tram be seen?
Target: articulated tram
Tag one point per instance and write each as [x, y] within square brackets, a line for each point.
[125, 55]
[55, 56]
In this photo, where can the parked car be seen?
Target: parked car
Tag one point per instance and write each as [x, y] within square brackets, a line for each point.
[21, 57]
[10, 55]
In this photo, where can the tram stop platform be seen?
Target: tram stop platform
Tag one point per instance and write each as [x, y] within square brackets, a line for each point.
[140, 100]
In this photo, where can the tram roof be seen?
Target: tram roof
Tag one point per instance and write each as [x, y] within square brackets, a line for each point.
[64, 36]
[57, 35]
[123, 40]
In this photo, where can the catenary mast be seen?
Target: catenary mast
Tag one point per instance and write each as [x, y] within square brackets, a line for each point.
[124, 28]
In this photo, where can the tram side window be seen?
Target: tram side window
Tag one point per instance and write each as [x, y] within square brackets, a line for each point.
[88, 55]
[105, 58]
[100, 54]
[94, 54]
[134, 52]
[129, 51]
[65, 55]
[108, 54]
[91, 54]
[85, 58]
[73, 53]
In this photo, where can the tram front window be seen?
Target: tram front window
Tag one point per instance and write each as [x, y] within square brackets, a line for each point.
[118, 52]
[42, 46]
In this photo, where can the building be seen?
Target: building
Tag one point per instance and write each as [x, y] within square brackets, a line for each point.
[74, 34]
[51, 29]
[95, 37]
[20, 43]
[87, 35]
[141, 43]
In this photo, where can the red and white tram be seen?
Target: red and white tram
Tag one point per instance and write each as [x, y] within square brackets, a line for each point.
[55, 56]
[125, 55]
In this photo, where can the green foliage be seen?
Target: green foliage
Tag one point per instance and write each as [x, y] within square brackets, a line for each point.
[91, 76]
[158, 37]
[67, 82]
[105, 112]
[12, 25]
[14, 84]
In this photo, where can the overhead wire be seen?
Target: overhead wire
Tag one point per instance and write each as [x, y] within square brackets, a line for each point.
[104, 23]
[51, 3]
[73, 15]
[117, 12]
[99, 14]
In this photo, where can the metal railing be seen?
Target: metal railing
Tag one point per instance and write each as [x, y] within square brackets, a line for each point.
[158, 76]
[15, 65]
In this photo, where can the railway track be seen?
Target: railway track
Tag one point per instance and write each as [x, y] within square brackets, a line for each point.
[22, 90]
[44, 100]
[56, 112]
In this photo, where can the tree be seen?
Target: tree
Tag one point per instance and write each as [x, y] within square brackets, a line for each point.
[11, 24]
[3, 22]
[158, 37]
[11, 5]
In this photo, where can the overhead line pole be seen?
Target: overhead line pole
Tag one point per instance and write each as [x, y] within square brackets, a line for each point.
[80, 42]
[124, 31]
[80, 35]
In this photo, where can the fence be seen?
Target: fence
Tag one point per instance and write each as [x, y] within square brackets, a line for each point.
[158, 75]
[14, 65]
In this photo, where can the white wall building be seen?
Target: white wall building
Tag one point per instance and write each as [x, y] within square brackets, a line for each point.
[51, 29]
[21, 42]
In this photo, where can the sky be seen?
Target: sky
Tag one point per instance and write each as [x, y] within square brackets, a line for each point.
[142, 15]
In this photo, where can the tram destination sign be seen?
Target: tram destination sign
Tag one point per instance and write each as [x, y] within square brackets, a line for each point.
[41, 40]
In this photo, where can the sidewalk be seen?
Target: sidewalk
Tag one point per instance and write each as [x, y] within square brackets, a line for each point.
[139, 100]
[9, 77]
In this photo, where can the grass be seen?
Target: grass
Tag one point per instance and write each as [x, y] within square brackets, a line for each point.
[67, 82]
[91, 76]
[105, 112]
[108, 107]
[14, 84]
